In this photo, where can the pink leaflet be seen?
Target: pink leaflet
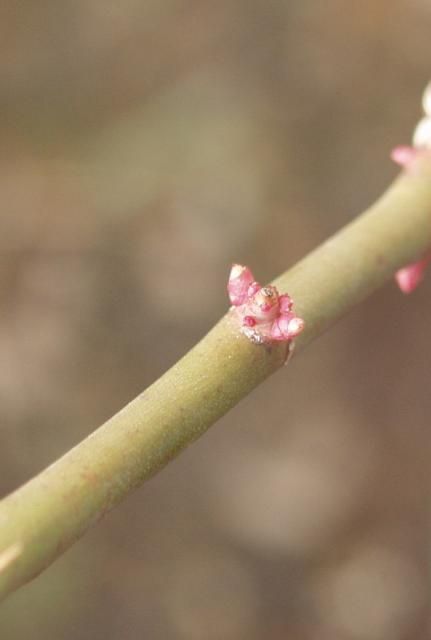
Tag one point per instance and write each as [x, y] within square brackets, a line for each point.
[240, 279]
[286, 327]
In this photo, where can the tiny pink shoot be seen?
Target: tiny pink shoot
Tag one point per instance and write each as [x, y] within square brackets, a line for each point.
[264, 314]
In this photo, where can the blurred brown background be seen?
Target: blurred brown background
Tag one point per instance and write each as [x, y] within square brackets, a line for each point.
[144, 147]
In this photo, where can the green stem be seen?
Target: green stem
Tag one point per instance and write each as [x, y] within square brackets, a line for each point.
[40, 520]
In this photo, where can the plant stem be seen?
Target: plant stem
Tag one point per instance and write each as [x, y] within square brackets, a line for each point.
[40, 520]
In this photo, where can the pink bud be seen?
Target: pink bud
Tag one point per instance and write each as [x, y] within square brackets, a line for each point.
[263, 314]
[404, 156]
[240, 279]
[263, 305]
[249, 321]
[407, 157]
[409, 277]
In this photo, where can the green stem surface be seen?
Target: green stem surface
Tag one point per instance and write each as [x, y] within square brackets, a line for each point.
[44, 517]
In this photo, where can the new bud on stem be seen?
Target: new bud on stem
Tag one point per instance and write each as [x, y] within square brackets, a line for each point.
[263, 313]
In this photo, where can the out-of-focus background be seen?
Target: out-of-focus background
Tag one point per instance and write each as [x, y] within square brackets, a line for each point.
[144, 147]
